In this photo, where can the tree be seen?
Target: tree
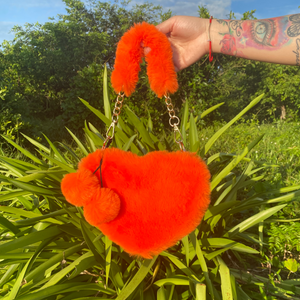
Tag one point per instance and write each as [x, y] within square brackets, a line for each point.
[48, 66]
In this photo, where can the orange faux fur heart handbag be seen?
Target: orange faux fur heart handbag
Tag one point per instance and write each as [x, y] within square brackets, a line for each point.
[144, 204]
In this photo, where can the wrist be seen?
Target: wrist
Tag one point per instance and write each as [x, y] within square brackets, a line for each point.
[214, 34]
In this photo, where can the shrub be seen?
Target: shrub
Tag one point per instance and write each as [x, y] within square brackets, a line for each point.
[49, 251]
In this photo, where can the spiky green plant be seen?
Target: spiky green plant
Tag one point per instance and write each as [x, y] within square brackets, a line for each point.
[48, 250]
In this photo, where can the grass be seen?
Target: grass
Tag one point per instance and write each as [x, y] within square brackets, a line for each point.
[280, 147]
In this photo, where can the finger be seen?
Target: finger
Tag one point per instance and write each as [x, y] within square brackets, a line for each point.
[166, 27]
[147, 50]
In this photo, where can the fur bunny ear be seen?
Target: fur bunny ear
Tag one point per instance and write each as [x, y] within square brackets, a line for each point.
[160, 68]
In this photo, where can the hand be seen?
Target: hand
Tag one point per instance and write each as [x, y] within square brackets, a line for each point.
[188, 37]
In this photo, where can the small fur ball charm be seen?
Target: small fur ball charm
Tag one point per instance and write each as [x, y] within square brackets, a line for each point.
[145, 204]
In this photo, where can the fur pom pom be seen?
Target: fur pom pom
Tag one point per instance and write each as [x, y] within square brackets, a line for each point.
[160, 69]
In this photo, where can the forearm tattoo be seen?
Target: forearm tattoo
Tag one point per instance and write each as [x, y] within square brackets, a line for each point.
[297, 52]
[294, 29]
[268, 34]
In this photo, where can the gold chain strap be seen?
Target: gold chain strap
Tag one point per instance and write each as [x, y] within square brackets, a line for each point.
[114, 121]
[173, 121]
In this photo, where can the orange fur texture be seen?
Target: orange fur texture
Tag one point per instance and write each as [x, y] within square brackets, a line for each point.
[146, 204]
[160, 67]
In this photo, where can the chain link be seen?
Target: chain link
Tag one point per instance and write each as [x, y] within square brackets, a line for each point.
[110, 133]
[174, 122]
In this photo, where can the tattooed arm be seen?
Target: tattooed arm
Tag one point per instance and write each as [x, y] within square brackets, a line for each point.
[274, 40]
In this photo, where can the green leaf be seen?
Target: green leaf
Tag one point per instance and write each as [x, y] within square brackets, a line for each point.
[291, 264]
[214, 138]
[161, 295]
[79, 144]
[37, 144]
[14, 291]
[13, 195]
[66, 288]
[200, 291]
[34, 188]
[4, 222]
[30, 239]
[105, 95]
[178, 263]
[61, 274]
[185, 115]
[40, 270]
[233, 164]
[97, 112]
[202, 262]
[140, 127]
[55, 150]
[24, 151]
[194, 139]
[211, 109]
[137, 279]
[225, 280]
[250, 222]
[174, 280]
[129, 142]
[88, 238]
[186, 245]
[62, 165]
[108, 246]
[11, 270]
[222, 243]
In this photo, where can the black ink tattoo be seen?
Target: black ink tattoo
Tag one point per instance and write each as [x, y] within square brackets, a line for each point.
[294, 29]
[297, 52]
[223, 22]
[237, 27]
[232, 24]
[263, 32]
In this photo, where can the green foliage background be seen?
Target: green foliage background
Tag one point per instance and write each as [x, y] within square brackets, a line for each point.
[45, 70]
[48, 66]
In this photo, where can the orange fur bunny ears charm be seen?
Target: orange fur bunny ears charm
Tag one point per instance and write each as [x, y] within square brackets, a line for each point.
[146, 203]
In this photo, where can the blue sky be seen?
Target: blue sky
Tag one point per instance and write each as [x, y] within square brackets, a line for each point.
[19, 12]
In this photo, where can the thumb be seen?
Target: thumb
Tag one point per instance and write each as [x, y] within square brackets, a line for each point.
[166, 27]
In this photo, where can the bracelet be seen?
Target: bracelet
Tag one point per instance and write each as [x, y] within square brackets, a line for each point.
[209, 40]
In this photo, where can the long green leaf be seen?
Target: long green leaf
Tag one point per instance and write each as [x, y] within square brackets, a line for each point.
[225, 280]
[200, 291]
[211, 109]
[233, 163]
[105, 95]
[259, 217]
[24, 151]
[34, 188]
[78, 142]
[11, 270]
[39, 271]
[7, 224]
[202, 262]
[175, 280]
[140, 127]
[55, 150]
[214, 138]
[13, 195]
[61, 274]
[137, 279]
[30, 239]
[108, 246]
[194, 139]
[17, 285]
